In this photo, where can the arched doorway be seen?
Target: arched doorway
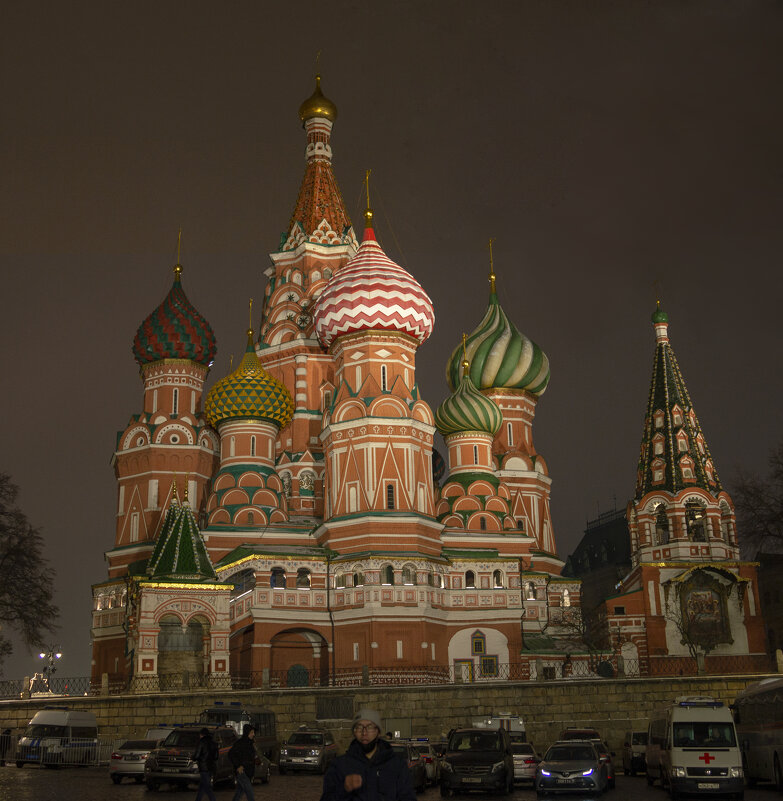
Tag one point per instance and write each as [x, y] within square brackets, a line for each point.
[299, 658]
[181, 651]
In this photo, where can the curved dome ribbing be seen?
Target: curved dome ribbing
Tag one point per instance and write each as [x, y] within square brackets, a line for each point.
[468, 410]
[175, 330]
[372, 293]
[500, 357]
[249, 392]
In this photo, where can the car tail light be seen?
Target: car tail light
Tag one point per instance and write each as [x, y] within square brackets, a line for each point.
[115, 755]
[427, 759]
[530, 761]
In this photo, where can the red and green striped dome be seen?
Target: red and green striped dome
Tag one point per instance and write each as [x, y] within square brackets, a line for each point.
[175, 330]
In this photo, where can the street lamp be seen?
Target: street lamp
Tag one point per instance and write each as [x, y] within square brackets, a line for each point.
[50, 658]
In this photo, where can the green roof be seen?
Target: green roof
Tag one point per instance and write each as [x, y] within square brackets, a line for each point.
[180, 552]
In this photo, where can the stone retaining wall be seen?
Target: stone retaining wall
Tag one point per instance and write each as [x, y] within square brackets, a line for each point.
[612, 706]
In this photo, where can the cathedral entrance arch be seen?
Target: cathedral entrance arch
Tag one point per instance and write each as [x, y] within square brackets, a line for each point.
[182, 651]
[299, 658]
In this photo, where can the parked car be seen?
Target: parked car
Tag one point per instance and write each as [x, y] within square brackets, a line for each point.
[172, 761]
[526, 761]
[128, 760]
[308, 748]
[477, 759]
[414, 761]
[605, 755]
[571, 765]
[59, 736]
[634, 748]
[431, 760]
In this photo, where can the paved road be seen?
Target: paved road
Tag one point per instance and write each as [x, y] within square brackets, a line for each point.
[93, 784]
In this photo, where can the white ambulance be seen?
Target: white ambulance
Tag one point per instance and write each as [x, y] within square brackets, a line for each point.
[692, 748]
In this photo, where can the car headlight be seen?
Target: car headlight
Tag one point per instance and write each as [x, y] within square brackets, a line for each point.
[588, 772]
[315, 752]
[447, 766]
[498, 766]
[735, 773]
[545, 772]
[283, 752]
[678, 772]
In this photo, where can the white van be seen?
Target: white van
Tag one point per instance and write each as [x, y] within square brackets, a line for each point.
[57, 735]
[692, 748]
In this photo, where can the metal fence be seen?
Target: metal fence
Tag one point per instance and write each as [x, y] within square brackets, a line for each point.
[555, 667]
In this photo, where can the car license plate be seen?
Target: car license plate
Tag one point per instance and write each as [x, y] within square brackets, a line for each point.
[472, 780]
[565, 781]
[298, 759]
[171, 770]
[708, 785]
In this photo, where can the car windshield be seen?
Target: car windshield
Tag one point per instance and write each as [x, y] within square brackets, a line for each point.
[570, 753]
[45, 730]
[306, 738]
[639, 738]
[182, 739]
[473, 741]
[521, 748]
[138, 745]
[702, 735]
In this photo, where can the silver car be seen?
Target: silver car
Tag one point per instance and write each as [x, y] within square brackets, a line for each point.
[572, 766]
[526, 761]
[431, 761]
[128, 760]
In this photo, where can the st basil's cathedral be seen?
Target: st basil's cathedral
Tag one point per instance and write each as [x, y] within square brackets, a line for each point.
[296, 526]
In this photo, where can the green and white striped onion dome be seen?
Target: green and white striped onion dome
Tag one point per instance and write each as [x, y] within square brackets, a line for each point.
[500, 357]
[467, 409]
[250, 391]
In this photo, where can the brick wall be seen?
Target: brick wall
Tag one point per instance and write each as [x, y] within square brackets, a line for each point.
[612, 706]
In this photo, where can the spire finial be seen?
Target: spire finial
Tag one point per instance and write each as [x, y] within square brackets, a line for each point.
[175, 496]
[318, 64]
[491, 268]
[250, 318]
[368, 212]
[465, 360]
[230, 362]
[187, 481]
[178, 266]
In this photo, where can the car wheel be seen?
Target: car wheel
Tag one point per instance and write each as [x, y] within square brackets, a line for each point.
[116, 779]
[19, 764]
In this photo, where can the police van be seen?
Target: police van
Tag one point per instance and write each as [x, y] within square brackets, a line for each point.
[692, 748]
[57, 736]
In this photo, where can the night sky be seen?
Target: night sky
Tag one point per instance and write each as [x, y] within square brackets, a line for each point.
[618, 152]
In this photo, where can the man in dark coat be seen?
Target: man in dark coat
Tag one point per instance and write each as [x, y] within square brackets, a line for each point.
[243, 758]
[206, 756]
[369, 770]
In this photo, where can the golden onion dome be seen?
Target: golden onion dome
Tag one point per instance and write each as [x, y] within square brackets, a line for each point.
[317, 105]
[250, 391]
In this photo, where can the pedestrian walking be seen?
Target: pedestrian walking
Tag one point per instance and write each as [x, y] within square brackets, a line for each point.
[243, 758]
[206, 756]
[369, 770]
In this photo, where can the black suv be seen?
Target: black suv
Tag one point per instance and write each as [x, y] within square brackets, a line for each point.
[172, 761]
[477, 759]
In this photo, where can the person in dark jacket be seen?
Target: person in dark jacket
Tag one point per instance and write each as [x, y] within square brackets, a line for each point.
[369, 770]
[206, 756]
[243, 758]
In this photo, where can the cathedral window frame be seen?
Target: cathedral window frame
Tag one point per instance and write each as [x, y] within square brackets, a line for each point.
[478, 643]
[278, 578]
[475, 454]
[409, 574]
[498, 580]
[253, 445]
[304, 578]
[390, 495]
[677, 416]
[175, 401]
[384, 379]
[531, 591]
[658, 418]
[566, 598]
[470, 580]
[387, 575]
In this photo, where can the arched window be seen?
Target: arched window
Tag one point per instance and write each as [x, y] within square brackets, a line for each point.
[252, 446]
[661, 526]
[530, 592]
[510, 432]
[340, 581]
[566, 598]
[478, 643]
[388, 575]
[303, 579]
[470, 580]
[383, 378]
[409, 574]
[250, 518]
[390, 496]
[483, 523]
[497, 580]
[243, 582]
[277, 578]
[475, 454]
[696, 521]
[175, 401]
[358, 576]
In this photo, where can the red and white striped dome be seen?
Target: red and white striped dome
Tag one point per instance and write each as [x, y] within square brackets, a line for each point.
[372, 293]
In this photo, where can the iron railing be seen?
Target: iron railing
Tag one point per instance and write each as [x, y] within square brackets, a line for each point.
[555, 667]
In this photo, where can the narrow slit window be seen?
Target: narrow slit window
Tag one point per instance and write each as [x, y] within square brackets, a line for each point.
[390, 496]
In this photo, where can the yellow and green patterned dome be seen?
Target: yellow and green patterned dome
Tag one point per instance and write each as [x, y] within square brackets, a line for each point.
[466, 409]
[249, 392]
